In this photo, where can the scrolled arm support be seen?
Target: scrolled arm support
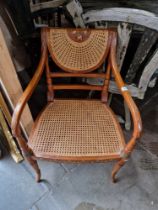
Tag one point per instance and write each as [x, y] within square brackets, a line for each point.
[127, 97]
[15, 124]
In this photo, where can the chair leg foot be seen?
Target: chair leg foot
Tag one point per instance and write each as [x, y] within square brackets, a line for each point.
[38, 176]
[37, 170]
[116, 168]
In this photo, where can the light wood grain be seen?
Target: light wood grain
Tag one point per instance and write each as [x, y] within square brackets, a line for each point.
[134, 16]
[11, 83]
[149, 70]
[75, 10]
[46, 5]
[124, 33]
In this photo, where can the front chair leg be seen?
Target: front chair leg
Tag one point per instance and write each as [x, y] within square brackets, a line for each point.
[35, 166]
[116, 168]
[125, 154]
[28, 155]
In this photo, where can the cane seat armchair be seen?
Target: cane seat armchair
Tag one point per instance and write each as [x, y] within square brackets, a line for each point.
[77, 130]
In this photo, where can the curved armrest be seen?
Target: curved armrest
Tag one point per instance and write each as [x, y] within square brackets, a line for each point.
[124, 91]
[28, 91]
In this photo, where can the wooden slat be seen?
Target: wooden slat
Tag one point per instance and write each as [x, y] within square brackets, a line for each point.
[145, 4]
[133, 16]
[124, 32]
[46, 5]
[147, 41]
[77, 75]
[77, 87]
[9, 79]
[148, 71]
[75, 10]
[135, 91]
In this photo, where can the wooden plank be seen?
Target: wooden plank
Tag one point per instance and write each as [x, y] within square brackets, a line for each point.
[148, 71]
[10, 104]
[15, 153]
[9, 79]
[46, 5]
[133, 16]
[147, 41]
[124, 32]
[18, 54]
[75, 10]
[99, 4]
[135, 91]
[153, 81]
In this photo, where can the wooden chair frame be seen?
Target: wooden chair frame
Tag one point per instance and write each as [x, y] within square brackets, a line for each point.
[26, 150]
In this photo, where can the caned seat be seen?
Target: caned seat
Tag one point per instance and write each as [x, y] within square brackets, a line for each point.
[74, 129]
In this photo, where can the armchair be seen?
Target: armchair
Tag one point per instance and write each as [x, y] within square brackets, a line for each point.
[77, 130]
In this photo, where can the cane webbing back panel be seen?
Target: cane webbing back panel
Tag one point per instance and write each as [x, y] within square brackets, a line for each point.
[78, 50]
[76, 129]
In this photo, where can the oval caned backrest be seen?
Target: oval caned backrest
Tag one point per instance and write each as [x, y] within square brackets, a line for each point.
[78, 50]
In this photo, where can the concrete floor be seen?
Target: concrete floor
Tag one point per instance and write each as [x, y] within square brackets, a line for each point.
[88, 186]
